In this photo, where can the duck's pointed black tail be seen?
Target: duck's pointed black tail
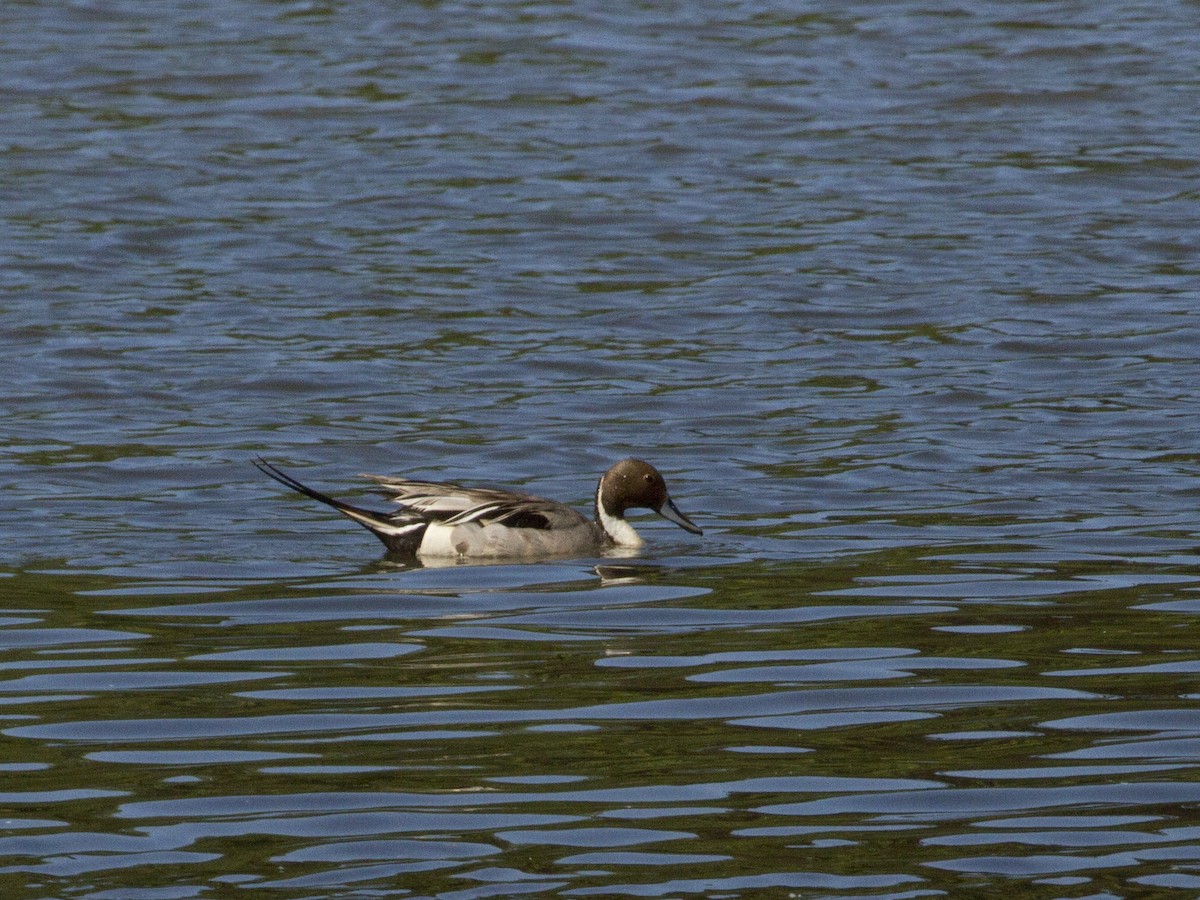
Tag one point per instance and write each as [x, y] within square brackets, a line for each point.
[400, 533]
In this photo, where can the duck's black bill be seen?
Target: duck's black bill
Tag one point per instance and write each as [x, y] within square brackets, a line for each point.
[671, 513]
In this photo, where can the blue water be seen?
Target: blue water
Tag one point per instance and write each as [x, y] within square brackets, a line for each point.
[901, 298]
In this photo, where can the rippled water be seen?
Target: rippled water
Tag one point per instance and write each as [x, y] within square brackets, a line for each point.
[901, 298]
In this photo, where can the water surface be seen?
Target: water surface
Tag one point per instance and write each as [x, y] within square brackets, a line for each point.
[901, 299]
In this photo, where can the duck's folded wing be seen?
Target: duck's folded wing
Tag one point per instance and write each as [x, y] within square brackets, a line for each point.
[520, 512]
[438, 500]
[454, 504]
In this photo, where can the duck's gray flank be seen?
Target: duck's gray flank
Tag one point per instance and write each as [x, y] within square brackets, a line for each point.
[443, 519]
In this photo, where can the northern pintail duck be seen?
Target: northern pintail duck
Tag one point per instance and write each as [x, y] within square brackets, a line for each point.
[440, 519]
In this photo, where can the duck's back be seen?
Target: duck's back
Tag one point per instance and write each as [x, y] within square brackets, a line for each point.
[490, 522]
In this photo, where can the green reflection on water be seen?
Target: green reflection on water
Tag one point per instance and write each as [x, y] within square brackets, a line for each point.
[387, 768]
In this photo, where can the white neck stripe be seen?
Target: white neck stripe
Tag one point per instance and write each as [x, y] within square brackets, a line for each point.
[619, 531]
